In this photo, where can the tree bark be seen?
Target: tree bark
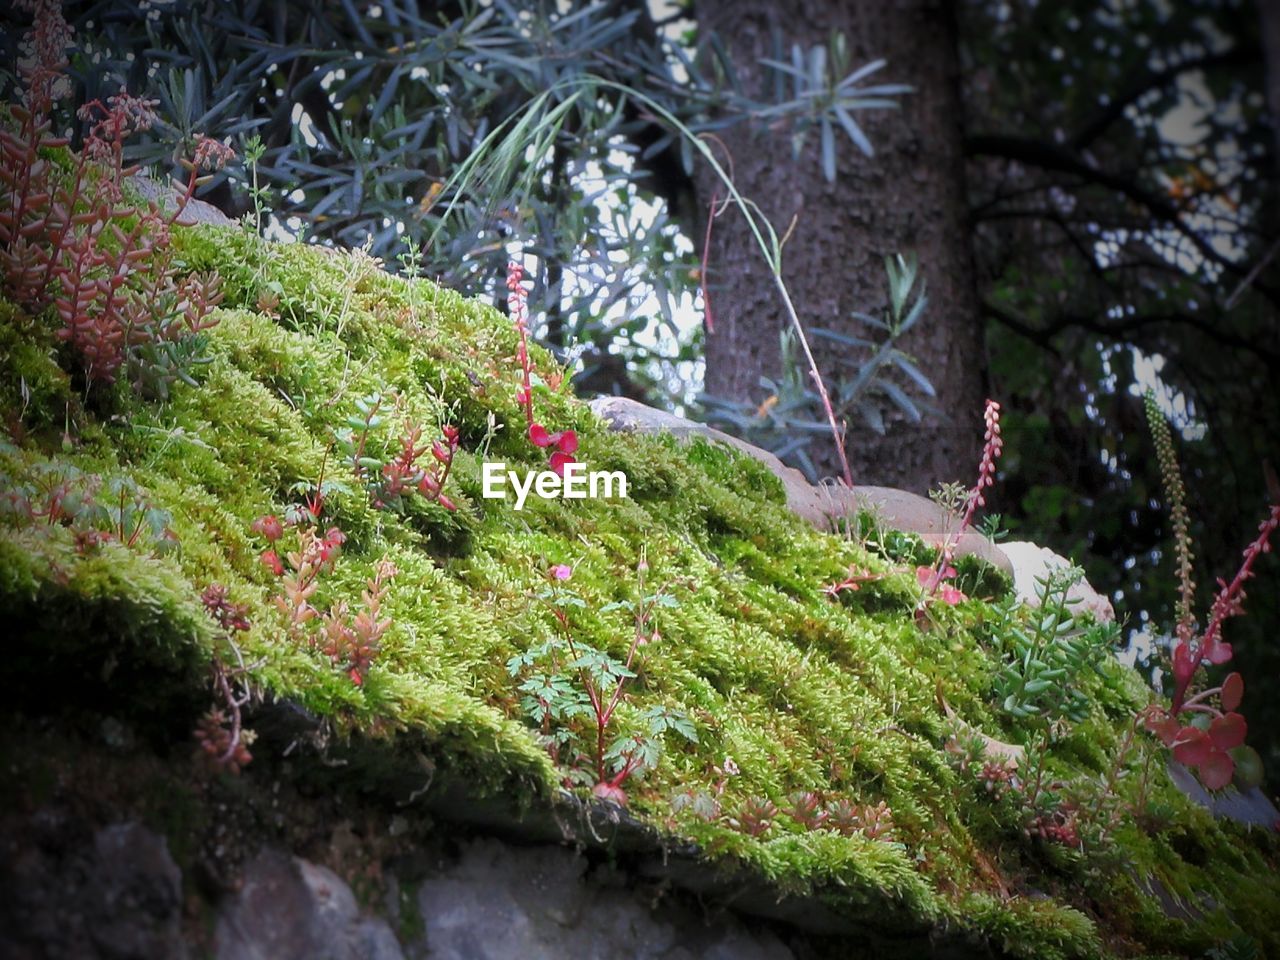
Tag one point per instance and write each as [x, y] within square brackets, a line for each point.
[909, 197]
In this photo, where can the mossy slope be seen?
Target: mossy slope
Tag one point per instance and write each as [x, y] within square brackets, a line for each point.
[801, 692]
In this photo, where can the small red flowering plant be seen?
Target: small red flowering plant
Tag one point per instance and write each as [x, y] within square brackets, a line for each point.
[96, 509]
[937, 581]
[852, 582]
[223, 742]
[574, 692]
[562, 445]
[70, 241]
[350, 640]
[392, 475]
[1202, 726]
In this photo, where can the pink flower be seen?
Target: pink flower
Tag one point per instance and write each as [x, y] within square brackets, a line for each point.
[269, 527]
[331, 544]
[1215, 651]
[559, 460]
[566, 441]
[561, 571]
[271, 560]
[1208, 752]
[927, 577]
[538, 435]
[610, 792]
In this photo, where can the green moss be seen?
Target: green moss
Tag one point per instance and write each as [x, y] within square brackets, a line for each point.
[803, 693]
[34, 391]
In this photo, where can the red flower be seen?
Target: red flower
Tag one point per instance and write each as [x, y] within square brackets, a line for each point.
[1207, 752]
[566, 441]
[610, 792]
[538, 435]
[931, 580]
[558, 461]
[331, 544]
[269, 527]
[271, 560]
[1215, 651]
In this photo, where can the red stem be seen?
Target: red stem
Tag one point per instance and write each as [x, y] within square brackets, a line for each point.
[1224, 603]
[55, 248]
[234, 705]
[519, 311]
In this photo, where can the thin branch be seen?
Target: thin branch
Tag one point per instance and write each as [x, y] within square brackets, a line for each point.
[1120, 329]
[1257, 268]
[1154, 80]
[1050, 156]
[1022, 327]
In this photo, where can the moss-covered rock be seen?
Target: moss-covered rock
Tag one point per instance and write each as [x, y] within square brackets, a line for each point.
[786, 688]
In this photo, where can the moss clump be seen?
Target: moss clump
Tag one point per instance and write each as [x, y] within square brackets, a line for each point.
[786, 690]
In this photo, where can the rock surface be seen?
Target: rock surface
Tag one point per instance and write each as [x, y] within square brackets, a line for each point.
[289, 909]
[166, 197]
[1032, 563]
[114, 893]
[542, 903]
[826, 505]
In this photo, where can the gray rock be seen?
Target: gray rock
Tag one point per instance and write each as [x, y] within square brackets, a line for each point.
[136, 895]
[1032, 563]
[1251, 807]
[166, 198]
[824, 506]
[115, 894]
[540, 903]
[289, 909]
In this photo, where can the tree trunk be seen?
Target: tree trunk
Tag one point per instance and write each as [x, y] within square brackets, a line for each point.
[909, 197]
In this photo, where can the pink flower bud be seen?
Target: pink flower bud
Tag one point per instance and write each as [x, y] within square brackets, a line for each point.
[269, 527]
